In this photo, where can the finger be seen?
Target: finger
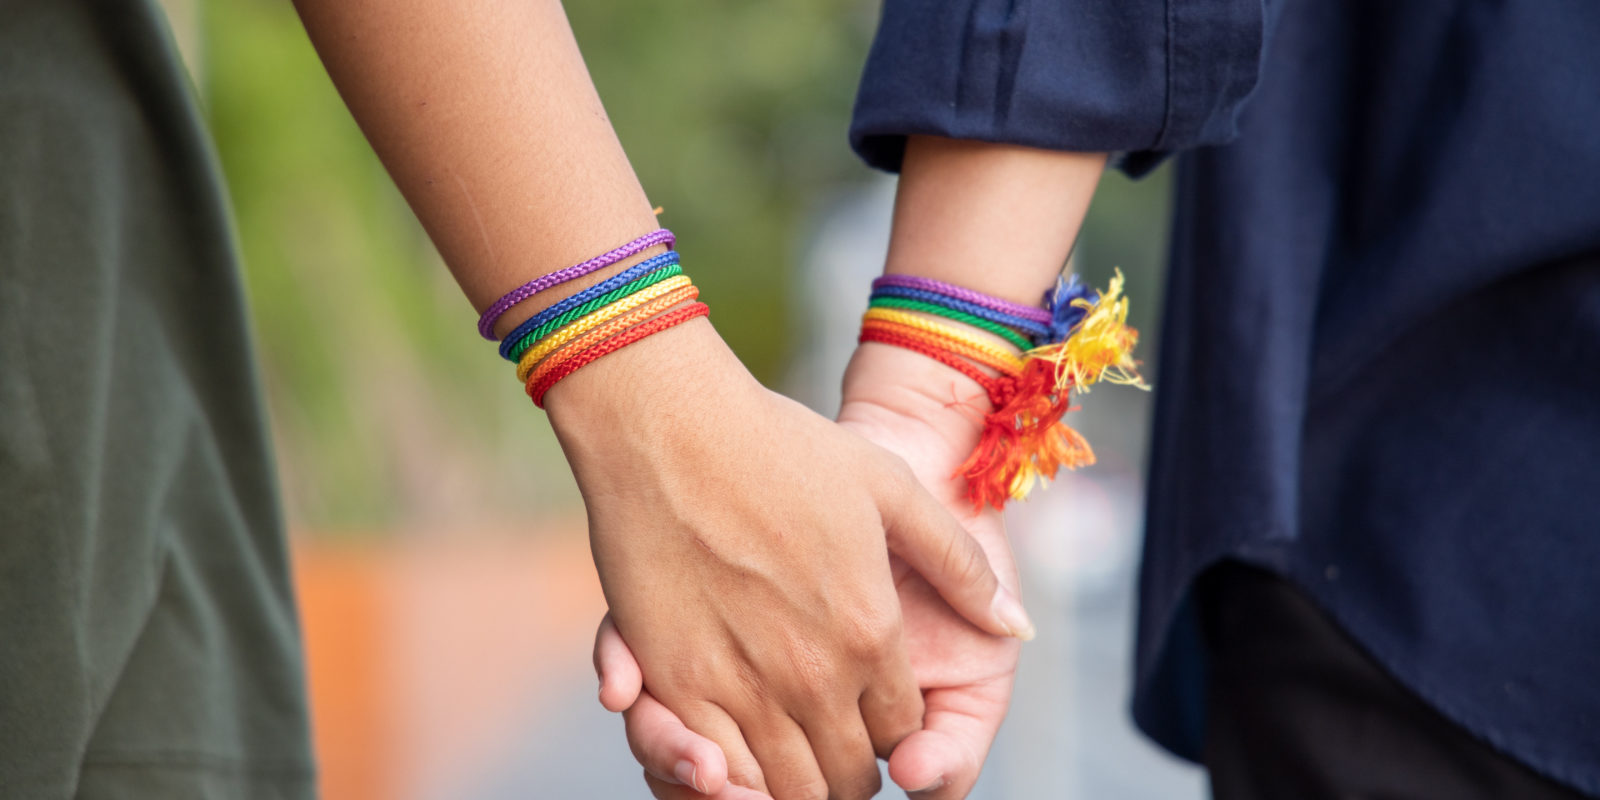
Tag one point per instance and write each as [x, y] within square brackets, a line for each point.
[943, 760]
[620, 678]
[844, 754]
[672, 791]
[710, 721]
[892, 709]
[671, 752]
[923, 532]
[891, 704]
[782, 749]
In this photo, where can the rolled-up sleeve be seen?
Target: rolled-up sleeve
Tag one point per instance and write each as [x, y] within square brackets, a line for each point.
[1142, 78]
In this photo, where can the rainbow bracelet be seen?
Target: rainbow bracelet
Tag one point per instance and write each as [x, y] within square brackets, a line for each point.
[616, 295]
[963, 294]
[1023, 441]
[516, 342]
[588, 322]
[1011, 335]
[536, 390]
[1031, 327]
[492, 314]
[638, 302]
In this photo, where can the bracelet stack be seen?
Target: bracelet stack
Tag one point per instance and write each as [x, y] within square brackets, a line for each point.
[642, 300]
[1078, 338]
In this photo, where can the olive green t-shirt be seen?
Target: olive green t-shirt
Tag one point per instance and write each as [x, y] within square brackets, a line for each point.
[148, 641]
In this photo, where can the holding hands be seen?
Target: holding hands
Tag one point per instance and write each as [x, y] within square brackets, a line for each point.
[741, 540]
[964, 673]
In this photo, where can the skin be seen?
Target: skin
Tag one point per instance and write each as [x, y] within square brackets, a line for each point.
[741, 539]
[996, 218]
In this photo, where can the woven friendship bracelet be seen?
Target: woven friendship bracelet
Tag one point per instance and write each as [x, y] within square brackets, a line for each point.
[1023, 440]
[947, 333]
[1004, 364]
[588, 322]
[537, 391]
[491, 315]
[1032, 328]
[610, 328]
[590, 306]
[1032, 313]
[516, 341]
[1017, 339]
[886, 334]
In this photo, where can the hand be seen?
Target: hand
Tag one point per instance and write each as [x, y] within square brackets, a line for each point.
[893, 398]
[741, 543]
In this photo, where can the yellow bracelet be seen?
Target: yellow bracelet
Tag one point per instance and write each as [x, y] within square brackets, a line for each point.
[977, 349]
[609, 329]
[588, 322]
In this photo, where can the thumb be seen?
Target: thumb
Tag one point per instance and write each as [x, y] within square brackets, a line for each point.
[925, 534]
[620, 677]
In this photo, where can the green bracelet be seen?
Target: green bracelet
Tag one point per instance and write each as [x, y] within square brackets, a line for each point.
[608, 298]
[995, 328]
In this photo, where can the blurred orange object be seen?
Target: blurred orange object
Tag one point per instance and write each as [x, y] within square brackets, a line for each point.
[427, 656]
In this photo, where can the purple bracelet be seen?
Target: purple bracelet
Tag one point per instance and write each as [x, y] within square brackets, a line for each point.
[1034, 313]
[491, 315]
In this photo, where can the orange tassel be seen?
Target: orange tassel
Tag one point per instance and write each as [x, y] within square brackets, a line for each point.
[1024, 440]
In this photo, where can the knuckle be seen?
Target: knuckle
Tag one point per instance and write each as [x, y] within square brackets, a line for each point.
[964, 561]
[865, 786]
[899, 471]
[871, 631]
[801, 789]
[745, 772]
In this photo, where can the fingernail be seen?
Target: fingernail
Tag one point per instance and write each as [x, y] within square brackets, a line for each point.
[688, 774]
[938, 782]
[1009, 610]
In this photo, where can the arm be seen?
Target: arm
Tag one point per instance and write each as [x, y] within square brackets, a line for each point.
[1000, 219]
[736, 535]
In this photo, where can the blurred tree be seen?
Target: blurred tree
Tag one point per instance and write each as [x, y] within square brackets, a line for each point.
[387, 409]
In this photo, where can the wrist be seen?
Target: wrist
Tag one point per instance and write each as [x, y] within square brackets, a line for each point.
[632, 397]
[997, 218]
[898, 386]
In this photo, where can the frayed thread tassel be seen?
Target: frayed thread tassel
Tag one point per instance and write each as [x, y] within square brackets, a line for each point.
[1024, 442]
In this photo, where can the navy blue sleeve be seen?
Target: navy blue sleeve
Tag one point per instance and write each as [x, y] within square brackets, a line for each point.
[1142, 78]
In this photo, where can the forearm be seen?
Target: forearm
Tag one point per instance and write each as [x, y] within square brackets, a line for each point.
[1000, 219]
[486, 118]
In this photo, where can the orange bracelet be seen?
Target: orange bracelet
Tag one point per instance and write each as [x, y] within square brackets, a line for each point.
[609, 328]
[536, 391]
[992, 358]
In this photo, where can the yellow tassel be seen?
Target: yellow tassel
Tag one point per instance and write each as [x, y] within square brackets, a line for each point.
[1100, 348]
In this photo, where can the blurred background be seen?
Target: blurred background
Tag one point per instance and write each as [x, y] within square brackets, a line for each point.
[444, 577]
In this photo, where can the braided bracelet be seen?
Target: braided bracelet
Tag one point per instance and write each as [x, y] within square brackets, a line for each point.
[1023, 439]
[1030, 326]
[610, 328]
[592, 304]
[491, 315]
[951, 337]
[517, 341]
[1032, 313]
[578, 327]
[537, 391]
[1010, 335]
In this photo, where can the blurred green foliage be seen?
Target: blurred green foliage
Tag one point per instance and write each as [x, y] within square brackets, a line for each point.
[387, 407]
[389, 412]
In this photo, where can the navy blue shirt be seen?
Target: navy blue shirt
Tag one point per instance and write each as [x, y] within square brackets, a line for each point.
[1380, 365]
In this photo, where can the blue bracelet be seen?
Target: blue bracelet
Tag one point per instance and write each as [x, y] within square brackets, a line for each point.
[649, 265]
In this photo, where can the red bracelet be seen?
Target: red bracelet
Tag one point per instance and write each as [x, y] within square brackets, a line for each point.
[536, 390]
